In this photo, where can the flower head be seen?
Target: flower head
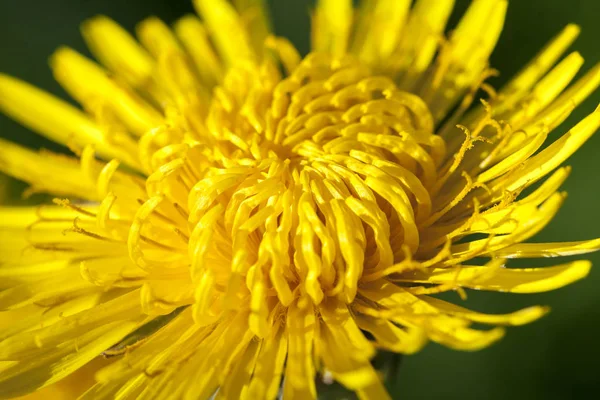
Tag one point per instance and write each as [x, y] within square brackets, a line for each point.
[235, 216]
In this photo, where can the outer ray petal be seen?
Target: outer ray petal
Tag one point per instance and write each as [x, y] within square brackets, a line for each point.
[452, 332]
[236, 381]
[91, 86]
[192, 33]
[560, 249]
[300, 371]
[72, 386]
[461, 63]
[266, 379]
[391, 337]
[121, 308]
[255, 16]
[521, 83]
[231, 39]
[511, 280]
[346, 353]
[60, 175]
[62, 284]
[118, 51]
[28, 375]
[420, 40]
[561, 108]
[380, 28]
[401, 307]
[55, 118]
[331, 26]
[520, 317]
[548, 159]
[35, 316]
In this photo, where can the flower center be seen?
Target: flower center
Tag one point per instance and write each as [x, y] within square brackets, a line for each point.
[309, 184]
[312, 183]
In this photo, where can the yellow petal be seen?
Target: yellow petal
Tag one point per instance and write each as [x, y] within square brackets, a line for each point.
[90, 84]
[546, 90]
[160, 297]
[101, 391]
[376, 391]
[28, 375]
[216, 358]
[525, 225]
[385, 20]
[55, 119]
[511, 280]
[520, 317]
[461, 63]
[575, 94]
[174, 71]
[55, 174]
[539, 65]
[300, 371]
[398, 305]
[156, 350]
[544, 162]
[65, 282]
[420, 40]
[332, 22]
[522, 83]
[451, 332]
[227, 31]
[72, 386]
[344, 350]
[30, 343]
[118, 50]
[560, 249]
[266, 379]
[237, 379]
[39, 315]
[524, 151]
[255, 15]
[391, 337]
[192, 33]
[156, 36]
[473, 28]
[393, 297]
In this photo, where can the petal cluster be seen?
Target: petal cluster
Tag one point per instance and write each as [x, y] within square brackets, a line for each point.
[235, 220]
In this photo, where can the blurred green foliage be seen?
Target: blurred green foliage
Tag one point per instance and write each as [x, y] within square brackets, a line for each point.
[550, 359]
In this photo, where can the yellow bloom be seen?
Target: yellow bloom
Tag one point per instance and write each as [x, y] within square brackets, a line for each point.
[238, 218]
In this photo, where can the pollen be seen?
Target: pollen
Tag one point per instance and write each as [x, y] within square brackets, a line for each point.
[233, 219]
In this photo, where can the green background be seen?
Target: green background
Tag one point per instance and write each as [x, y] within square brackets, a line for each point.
[555, 358]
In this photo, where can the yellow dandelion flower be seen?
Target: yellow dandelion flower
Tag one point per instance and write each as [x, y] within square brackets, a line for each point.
[239, 219]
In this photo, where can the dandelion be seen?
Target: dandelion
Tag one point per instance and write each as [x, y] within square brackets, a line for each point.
[236, 220]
